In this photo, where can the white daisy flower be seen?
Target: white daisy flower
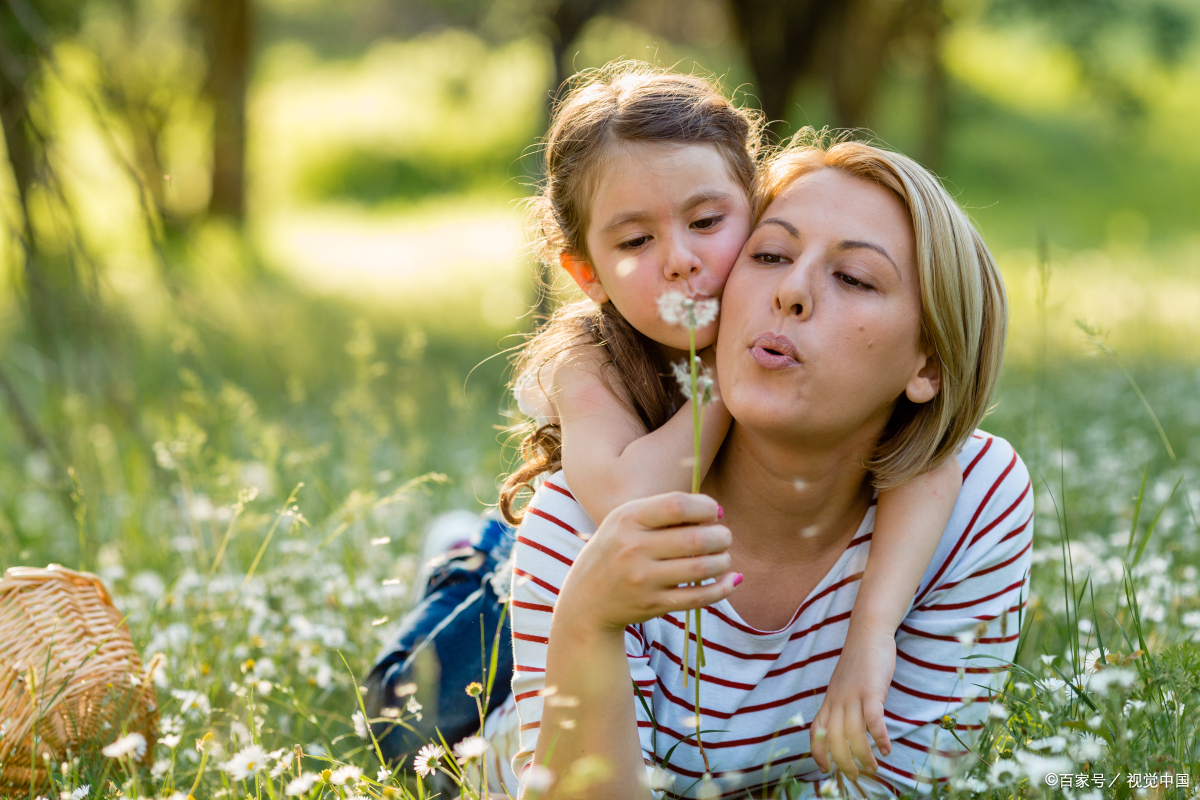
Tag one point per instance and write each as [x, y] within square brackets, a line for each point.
[360, 725]
[134, 743]
[345, 774]
[1088, 748]
[426, 762]
[283, 765]
[300, 786]
[1004, 771]
[247, 762]
[997, 711]
[471, 748]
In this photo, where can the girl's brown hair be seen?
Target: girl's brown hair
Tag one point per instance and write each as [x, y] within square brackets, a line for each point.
[625, 101]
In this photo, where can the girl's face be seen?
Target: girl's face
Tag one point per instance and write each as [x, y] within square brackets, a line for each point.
[664, 218]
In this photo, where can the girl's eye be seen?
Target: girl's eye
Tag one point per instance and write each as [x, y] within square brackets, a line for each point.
[852, 281]
[768, 258]
[707, 223]
[633, 244]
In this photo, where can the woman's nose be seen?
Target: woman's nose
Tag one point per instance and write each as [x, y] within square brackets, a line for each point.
[793, 294]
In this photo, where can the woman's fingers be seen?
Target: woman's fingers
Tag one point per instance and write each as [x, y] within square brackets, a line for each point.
[689, 597]
[669, 510]
[818, 738]
[688, 540]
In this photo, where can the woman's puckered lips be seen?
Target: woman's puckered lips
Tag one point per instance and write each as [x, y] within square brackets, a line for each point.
[773, 351]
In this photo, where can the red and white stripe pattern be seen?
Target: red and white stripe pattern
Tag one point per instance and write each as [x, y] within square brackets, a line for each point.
[761, 690]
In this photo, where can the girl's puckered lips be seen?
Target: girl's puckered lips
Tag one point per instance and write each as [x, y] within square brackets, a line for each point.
[772, 351]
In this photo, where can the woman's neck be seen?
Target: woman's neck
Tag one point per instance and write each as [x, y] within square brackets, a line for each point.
[788, 503]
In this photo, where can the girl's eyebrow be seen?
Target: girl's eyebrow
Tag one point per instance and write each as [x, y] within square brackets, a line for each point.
[699, 198]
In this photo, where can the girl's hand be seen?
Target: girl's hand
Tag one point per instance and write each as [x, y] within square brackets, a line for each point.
[853, 705]
[637, 564]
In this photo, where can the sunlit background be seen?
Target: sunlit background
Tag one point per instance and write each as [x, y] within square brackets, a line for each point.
[285, 236]
[262, 260]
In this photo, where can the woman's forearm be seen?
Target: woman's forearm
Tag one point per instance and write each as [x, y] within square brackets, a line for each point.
[588, 736]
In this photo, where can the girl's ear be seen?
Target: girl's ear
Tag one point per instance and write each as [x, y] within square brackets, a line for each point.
[927, 381]
[584, 276]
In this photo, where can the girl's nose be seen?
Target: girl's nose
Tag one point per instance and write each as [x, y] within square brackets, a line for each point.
[681, 263]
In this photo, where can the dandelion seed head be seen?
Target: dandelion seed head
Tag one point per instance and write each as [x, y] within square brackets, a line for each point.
[539, 778]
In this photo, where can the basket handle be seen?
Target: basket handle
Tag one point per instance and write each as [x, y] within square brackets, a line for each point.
[56, 570]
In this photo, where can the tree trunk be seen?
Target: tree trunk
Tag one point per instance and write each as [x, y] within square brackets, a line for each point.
[779, 38]
[227, 28]
[858, 53]
[566, 23]
[936, 95]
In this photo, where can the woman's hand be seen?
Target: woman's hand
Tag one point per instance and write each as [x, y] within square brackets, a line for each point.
[853, 704]
[631, 570]
[637, 564]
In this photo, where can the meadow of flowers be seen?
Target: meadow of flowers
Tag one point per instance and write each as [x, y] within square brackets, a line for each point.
[264, 544]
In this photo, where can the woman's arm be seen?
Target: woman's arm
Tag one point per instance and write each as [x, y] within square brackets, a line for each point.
[909, 523]
[630, 571]
[607, 455]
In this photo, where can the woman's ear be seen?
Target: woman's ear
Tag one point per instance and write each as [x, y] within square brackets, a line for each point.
[926, 381]
[580, 270]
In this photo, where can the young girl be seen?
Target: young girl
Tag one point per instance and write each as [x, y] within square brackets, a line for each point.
[649, 186]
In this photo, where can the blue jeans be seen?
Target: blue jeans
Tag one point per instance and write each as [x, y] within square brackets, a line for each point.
[440, 649]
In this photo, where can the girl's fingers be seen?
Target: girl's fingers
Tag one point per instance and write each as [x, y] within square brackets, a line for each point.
[687, 541]
[873, 711]
[838, 748]
[668, 510]
[856, 733]
[817, 739]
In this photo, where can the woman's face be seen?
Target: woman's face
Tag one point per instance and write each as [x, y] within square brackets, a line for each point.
[821, 318]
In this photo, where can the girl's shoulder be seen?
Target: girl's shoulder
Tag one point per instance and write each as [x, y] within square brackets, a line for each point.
[578, 366]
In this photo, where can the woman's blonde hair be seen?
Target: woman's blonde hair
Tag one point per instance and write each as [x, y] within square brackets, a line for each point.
[964, 314]
[624, 101]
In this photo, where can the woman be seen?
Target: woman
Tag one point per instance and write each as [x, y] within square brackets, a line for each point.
[861, 336]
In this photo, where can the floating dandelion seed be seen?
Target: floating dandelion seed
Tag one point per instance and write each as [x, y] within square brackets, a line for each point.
[379, 621]
[360, 725]
[380, 540]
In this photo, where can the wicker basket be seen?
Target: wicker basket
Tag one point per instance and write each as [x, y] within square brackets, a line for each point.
[67, 668]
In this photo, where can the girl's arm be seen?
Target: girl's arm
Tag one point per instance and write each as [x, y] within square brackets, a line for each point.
[608, 456]
[634, 568]
[909, 523]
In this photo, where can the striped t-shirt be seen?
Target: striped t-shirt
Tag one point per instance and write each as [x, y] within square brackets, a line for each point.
[761, 689]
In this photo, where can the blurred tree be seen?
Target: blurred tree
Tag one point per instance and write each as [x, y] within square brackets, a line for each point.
[1098, 31]
[847, 45]
[226, 27]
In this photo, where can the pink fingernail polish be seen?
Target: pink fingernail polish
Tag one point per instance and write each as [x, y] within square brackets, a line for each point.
[737, 579]
[720, 512]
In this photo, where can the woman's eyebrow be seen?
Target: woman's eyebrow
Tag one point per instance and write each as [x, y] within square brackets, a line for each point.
[851, 244]
[787, 226]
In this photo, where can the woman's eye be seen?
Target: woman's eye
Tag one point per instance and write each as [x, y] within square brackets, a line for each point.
[706, 223]
[634, 244]
[850, 280]
[768, 258]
